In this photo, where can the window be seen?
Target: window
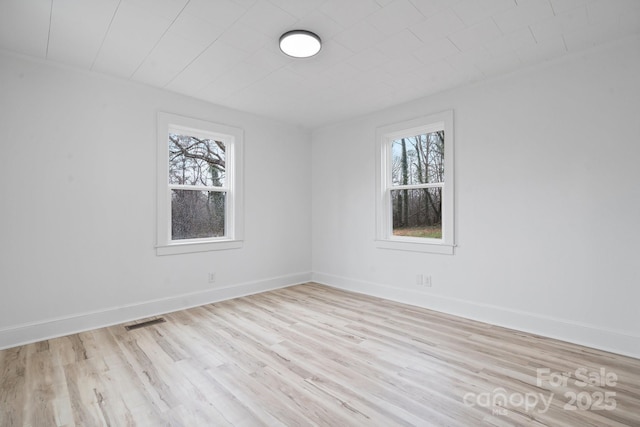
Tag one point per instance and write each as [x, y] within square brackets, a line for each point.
[199, 185]
[415, 185]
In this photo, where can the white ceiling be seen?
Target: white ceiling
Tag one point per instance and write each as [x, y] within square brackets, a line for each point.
[376, 53]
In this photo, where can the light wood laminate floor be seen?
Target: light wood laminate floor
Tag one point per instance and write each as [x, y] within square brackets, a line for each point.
[313, 355]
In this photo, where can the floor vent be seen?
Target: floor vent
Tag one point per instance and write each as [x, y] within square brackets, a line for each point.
[145, 324]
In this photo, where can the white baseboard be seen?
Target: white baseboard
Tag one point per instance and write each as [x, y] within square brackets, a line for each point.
[620, 342]
[26, 333]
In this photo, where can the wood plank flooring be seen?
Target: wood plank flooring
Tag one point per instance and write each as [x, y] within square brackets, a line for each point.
[312, 355]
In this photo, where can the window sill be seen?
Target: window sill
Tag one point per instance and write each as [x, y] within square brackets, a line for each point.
[191, 247]
[434, 248]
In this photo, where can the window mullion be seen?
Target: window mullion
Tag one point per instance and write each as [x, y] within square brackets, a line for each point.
[417, 186]
[198, 188]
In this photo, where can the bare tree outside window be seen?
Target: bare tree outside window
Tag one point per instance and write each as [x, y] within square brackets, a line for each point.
[417, 161]
[197, 178]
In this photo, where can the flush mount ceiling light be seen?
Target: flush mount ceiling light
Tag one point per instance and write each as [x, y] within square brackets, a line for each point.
[300, 43]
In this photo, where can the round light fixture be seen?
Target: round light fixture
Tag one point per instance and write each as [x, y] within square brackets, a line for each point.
[300, 43]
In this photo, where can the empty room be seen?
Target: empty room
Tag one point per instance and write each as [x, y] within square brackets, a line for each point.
[319, 213]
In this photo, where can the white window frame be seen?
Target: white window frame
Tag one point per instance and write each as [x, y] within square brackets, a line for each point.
[385, 136]
[233, 139]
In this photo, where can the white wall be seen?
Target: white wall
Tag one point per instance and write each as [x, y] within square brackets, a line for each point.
[547, 198]
[77, 217]
[548, 204]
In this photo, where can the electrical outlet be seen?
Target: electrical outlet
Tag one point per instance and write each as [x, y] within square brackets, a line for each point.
[423, 280]
[426, 280]
[212, 277]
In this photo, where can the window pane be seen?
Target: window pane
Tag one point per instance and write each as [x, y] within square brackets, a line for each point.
[418, 159]
[197, 214]
[417, 213]
[194, 161]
